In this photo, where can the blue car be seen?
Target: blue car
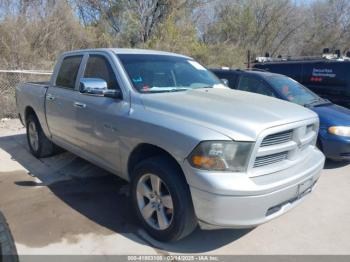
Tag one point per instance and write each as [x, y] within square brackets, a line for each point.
[334, 133]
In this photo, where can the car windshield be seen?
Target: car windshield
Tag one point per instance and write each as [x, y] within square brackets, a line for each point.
[166, 73]
[293, 91]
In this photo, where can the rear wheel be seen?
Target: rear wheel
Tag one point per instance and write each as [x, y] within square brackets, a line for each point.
[162, 199]
[39, 144]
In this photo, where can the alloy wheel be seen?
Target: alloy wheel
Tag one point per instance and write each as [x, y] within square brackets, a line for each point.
[155, 202]
[33, 136]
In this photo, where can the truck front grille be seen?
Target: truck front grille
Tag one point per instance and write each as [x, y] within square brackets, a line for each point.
[270, 159]
[278, 138]
[284, 145]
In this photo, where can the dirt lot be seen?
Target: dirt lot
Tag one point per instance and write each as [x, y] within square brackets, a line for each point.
[64, 205]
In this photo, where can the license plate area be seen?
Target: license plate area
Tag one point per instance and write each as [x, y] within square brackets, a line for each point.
[304, 188]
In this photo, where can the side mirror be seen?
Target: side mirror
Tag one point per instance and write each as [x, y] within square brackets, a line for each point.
[224, 81]
[97, 86]
[94, 86]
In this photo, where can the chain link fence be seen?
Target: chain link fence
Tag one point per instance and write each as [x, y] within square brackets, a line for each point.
[9, 79]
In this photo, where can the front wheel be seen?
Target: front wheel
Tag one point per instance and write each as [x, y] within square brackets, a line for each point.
[162, 199]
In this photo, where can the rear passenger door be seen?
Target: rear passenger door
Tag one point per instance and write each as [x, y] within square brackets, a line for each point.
[98, 120]
[60, 111]
[255, 85]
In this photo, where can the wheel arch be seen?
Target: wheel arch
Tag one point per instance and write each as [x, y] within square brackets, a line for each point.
[144, 151]
[28, 111]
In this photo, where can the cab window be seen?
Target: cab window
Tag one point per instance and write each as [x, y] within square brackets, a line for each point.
[68, 72]
[99, 67]
[254, 85]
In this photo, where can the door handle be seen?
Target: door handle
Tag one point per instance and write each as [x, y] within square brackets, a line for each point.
[50, 97]
[78, 104]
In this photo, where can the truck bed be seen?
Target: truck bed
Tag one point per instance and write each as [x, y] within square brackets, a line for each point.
[39, 83]
[32, 96]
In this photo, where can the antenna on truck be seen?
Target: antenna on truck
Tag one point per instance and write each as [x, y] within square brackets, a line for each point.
[326, 55]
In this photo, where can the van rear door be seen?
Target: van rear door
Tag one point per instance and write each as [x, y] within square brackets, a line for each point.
[327, 78]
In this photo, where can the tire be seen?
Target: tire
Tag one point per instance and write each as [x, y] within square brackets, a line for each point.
[42, 147]
[181, 219]
[8, 250]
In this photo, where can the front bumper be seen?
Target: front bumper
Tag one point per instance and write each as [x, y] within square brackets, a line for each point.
[250, 201]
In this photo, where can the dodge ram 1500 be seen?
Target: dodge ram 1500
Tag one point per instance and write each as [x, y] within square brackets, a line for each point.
[194, 151]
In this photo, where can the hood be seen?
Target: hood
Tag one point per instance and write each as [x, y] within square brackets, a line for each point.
[332, 115]
[237, 114]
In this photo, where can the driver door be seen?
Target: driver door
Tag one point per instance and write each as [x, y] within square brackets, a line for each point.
[99, 117]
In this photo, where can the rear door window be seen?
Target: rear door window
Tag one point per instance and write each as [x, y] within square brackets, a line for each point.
[99, 67]
[254, 85]
[68, 72]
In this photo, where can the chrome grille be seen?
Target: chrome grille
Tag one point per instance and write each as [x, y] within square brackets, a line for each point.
[278, 138]
[270, 159]
[289, 144]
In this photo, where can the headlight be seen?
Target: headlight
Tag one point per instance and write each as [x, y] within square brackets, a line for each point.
[339, 130]
[221, 156]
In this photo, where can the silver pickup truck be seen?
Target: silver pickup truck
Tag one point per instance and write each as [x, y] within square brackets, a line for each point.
[194, 151]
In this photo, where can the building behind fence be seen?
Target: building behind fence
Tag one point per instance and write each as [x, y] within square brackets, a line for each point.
[9, 79]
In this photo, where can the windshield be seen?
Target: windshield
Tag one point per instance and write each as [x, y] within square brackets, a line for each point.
[166, 73]
[293, 91]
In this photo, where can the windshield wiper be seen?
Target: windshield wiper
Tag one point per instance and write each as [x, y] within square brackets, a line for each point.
[200, 87]
[167, 90]
[317, 102]
[324, 102]
[178, 89]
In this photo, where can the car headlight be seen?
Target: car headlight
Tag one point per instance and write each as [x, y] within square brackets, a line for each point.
[339, 130]
[221, 156]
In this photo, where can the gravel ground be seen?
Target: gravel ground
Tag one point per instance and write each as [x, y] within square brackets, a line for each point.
[65, 205]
